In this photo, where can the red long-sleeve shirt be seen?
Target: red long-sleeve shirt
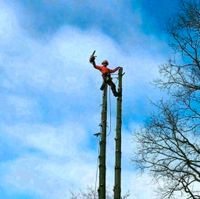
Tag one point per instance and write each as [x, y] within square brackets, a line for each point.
[105, 70]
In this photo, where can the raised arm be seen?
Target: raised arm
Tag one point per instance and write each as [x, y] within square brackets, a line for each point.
[115, 69]
[92, 61]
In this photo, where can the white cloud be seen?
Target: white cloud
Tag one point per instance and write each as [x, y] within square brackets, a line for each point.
[65, 158]
[141, 186]
[66, 167]
[62, 164]
[8, 23]
[64, 141]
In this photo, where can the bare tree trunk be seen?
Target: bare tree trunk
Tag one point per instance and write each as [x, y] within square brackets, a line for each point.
[117, 186]
[102, 156]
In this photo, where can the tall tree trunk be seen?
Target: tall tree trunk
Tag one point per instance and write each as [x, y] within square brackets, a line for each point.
[102, 155]
[117, 186]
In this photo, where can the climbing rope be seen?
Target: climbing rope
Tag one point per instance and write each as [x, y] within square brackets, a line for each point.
[110, 110]
[110, 107]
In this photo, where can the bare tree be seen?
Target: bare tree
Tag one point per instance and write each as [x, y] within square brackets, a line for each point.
[169, 145]
[169, 149]
[90, 193]
[184, 32]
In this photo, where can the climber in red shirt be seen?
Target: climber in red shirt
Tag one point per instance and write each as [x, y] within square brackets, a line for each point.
[107, 79]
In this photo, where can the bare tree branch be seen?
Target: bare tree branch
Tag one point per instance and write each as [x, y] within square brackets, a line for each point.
[169, 145]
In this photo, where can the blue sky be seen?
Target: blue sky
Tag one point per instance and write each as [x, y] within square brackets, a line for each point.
[50, 97]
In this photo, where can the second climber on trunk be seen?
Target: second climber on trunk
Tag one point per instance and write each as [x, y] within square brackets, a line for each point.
[106, 74]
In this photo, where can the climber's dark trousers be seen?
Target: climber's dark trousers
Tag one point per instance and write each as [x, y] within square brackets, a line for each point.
[108, 80]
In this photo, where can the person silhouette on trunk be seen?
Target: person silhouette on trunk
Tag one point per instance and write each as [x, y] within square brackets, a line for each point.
[106, 74]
